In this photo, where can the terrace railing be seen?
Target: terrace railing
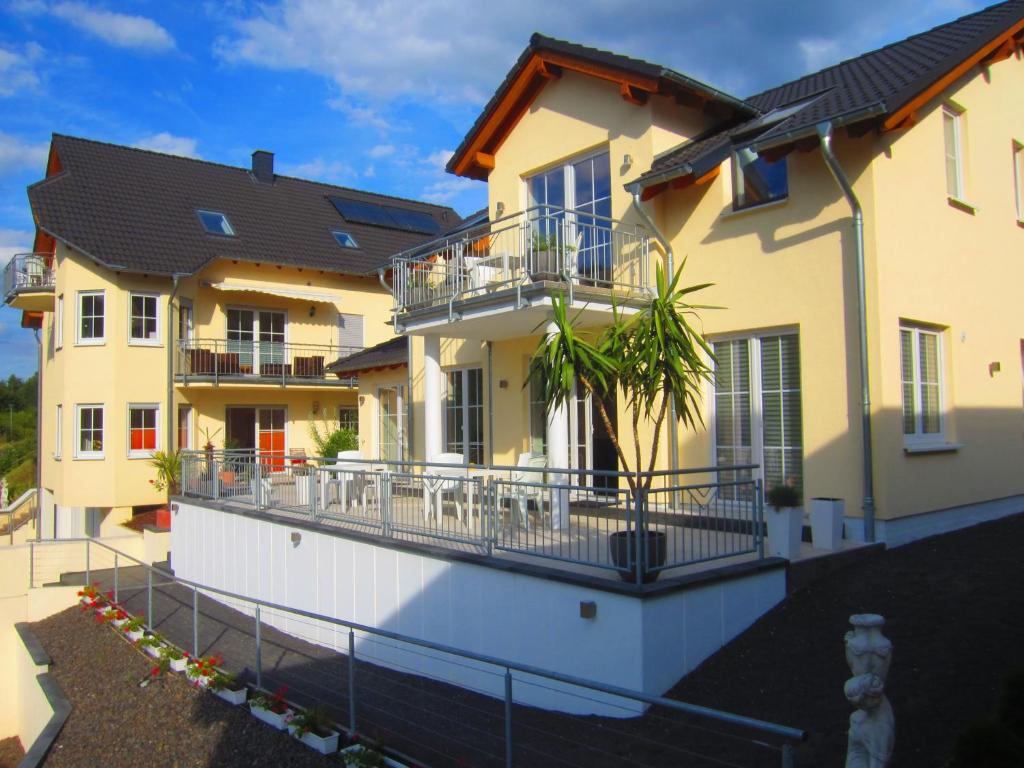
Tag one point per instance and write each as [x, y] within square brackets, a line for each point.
[28, 272]
[634, 526]
[259, 361]
[542, 244]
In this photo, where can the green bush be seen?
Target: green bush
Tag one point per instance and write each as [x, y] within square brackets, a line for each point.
[783, 495]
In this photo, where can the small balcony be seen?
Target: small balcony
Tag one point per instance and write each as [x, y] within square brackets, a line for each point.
[232, 361]
[29, 281]
[469, 282]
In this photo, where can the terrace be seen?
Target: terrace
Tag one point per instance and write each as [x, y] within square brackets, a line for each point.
[578, 522]
[218, 361]
[471, 281]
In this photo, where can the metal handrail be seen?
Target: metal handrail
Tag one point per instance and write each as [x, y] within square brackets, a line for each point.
[260, 360]
[28, 496]
[761, 726]
[29, 271]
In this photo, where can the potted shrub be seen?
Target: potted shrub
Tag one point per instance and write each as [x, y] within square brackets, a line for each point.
[227, 687]
[201, 670]
[313, 728]
[168, 477]
[150, 643]
[272, 709]
[176, 660]
[827, 523]
[785, 519]
[90, 595]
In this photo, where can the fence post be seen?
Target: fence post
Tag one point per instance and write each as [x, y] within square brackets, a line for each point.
[259, 650]
[508, 718]
[149, 597]
[216, 479]
[351, 682]
[31, 564]
[117, 591]
[788, 760]
[257, 488]
[488, 514]
[88, 579]
[311, 482]
[195, 622]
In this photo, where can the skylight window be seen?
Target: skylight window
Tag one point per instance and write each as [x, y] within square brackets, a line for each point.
[216, 223]
[345, 240]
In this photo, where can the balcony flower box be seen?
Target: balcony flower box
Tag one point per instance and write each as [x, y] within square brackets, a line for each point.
[325, 745]
[233, 696]
[278, 720]
[178, 665]
[134, 635]
[356, 749]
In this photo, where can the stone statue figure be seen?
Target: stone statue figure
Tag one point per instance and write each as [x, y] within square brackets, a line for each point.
[872, 727]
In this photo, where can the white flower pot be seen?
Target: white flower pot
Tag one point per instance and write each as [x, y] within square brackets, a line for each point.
[355, 749]
[118, 622]
[135, 635]
[272, 719]
[325, 745]
[152, 651]
[785, 527]
[178, 665]
[233, 697]
[196, 679]
[827, 523]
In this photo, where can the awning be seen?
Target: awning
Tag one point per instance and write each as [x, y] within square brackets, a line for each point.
[298, 293]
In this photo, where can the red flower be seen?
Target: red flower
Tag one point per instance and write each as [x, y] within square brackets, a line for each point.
[155, 671]
[110, 594]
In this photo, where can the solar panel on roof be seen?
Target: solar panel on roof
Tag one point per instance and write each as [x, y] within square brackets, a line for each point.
[361, 212]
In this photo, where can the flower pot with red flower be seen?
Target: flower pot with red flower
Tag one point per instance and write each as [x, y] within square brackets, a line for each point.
[134, 628]
[272, 709]
[168, 476]
[176, 660]
[313, 728]
[226, 686]
[201, 671]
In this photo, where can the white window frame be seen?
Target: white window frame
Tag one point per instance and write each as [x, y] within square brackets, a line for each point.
[144, 342]
[1018, 179]
[190, 327]
[58, 331]
[89, 455]
[464, 407]
[189, 426]
[143, 453]
[403, 414]
[58, 431]
[90, 341]
[739, 189]
[756, 393]
[919, 437]
[952, 113]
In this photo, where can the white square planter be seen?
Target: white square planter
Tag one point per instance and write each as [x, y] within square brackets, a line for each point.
[178, 665]
[827, 523]
[325, 745]
[355, 749]
[785, 528]
[233, 697]
[272, 719]
[152, 651]
[135, 635]
[198, 680]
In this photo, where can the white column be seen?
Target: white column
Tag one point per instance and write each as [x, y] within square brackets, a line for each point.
[433, 387]
[558, 454]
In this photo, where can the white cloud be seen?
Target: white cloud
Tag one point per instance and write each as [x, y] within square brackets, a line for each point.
[819, 52]
[445, 190]
[14, 241]
[169, 144]
[381, 150]
[119, 29]
[440, 158]
[17, 70]
[360, 115]
[17, 155]
[319, 169]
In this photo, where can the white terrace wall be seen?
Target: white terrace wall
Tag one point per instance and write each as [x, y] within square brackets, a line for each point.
[641, 644]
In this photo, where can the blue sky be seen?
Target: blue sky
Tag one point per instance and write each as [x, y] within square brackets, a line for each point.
[373, 95]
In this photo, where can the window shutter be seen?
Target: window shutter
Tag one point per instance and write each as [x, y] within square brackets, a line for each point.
[350, 330]
[781, 411]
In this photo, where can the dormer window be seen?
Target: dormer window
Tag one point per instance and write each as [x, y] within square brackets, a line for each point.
[345, 240]
[756, 180]
[216, 223]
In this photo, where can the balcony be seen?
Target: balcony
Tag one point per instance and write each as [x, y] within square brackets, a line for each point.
[29, 281]
[232, 361]
[469, 282]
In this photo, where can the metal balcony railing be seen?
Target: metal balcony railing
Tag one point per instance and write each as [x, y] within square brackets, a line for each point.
[28, 272]
[542, 244]
[259, 361]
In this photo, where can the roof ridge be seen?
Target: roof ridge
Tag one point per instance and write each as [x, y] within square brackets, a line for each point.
[243, 169]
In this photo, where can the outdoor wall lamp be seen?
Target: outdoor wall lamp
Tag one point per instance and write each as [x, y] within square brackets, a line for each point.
[588, 609]
[503, 384]
[627, 161]
[499, 210]
[994, 368]
[312, 311]
[296, 538]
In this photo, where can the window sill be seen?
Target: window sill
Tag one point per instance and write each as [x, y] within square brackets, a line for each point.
[90, 457]
[961, 205]
[140, 455]
[932, 448]
[90, 342]
[733, 212]
[143, 343]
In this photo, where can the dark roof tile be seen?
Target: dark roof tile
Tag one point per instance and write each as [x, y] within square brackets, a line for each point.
[390, 353]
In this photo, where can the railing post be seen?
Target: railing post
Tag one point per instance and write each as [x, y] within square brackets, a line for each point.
[216, 479]
[149, 597]
[351, 681]
[195, 621]
[31, 564]
[88, 578]
[488, 514]
[759, 518]
[257, 488]
[259, 650]
[117, 591]
[788, 759]
[639, 537]
[311, 482]
[384, 502]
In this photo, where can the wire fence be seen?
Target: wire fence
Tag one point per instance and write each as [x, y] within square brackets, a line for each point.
[370, 681]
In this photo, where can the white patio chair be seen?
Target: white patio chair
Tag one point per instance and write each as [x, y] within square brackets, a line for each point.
[482, 271]
[350, 477]
[439, 480]
[520, 490]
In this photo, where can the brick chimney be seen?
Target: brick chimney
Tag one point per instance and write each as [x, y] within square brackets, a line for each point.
[263, 166]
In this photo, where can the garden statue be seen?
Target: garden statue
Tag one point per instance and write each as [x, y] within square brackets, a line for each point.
[872, 727]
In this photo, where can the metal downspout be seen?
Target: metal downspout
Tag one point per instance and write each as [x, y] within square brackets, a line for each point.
[39, 443]
[825, 135]
[170, 417]
[670, 269]
[490, 403]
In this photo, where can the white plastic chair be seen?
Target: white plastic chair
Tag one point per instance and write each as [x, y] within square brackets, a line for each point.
[350, 475]
[435, 484]
[520, 491]
[482, 273]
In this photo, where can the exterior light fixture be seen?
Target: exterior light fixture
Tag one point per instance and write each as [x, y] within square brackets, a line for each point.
[627, 161]
[296, 538]
[499, 210]
[312, 311]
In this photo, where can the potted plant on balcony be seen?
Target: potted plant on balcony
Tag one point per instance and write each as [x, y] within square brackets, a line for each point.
[134, 628]
[168, 477]
[785, 519]
[658, 359]
[313, 728]
[226, 686]
[176, 659]
[272, 709]
[550, 256]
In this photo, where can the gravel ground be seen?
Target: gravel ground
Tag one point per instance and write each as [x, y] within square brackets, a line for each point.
[10, 752]
[114, 722]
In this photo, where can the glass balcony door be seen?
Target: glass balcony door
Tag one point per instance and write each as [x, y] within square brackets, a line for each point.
[257, 337]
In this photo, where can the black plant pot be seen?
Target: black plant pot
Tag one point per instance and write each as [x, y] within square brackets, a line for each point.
[622, 548]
